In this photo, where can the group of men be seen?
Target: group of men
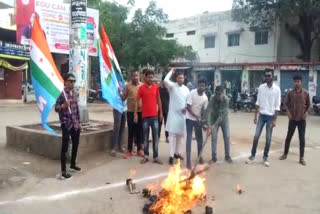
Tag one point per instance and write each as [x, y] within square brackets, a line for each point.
[185, 111]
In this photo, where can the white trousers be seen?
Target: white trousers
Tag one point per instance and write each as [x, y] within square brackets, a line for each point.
[175, 142]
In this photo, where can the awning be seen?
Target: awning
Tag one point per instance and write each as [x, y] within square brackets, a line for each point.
[7, 65]
[14, 57]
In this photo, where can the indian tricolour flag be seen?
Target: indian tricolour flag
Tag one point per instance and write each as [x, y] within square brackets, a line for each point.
[110, 73]
[46, 79]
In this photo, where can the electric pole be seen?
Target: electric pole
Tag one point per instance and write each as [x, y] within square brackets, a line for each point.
[78, 56]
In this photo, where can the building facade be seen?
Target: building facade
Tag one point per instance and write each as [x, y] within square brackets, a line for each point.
[232, 53]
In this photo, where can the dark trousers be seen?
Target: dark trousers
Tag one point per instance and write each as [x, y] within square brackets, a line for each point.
[198, 131]
[75, 135]
[151, 122]
[119, 122]
[165, 117]
[134, 131]
[302, 132]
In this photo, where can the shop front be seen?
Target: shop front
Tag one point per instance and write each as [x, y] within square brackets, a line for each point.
[288, 72]
[13, 65]
[256, 75]
[231, 77]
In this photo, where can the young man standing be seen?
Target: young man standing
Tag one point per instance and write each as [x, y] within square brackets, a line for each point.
[268, 106]
[119, 122]
[197, 101]
[297, 103]
[218, 117]
[134, 129]
[67, 107]
[149, 95]
[164, 95]
[176, 117]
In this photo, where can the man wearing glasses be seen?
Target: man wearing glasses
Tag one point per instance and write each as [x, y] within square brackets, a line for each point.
[67, 107]
[268, 106]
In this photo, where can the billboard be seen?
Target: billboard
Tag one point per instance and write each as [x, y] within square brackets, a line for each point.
[55, 21]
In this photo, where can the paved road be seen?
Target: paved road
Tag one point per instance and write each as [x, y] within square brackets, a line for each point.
[28, 183]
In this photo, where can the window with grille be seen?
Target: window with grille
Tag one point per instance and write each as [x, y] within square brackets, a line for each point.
[189, 33]
[261, 37]
[169, 35]
[234, 39]
[209, 41]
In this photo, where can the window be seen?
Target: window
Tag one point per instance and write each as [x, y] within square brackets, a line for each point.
[234, 39]
[209, 41]
[169, 35]
[261, 37]
[189, 33]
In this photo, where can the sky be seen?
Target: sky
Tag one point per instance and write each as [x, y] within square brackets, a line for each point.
[177, 9]
[8, 2]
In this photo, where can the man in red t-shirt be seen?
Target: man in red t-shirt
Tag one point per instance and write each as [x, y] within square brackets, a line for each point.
[148, 93]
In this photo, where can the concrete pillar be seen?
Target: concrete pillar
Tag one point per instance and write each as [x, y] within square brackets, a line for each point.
[277, 73]
[78, 57]
[217, 78]
[245, 79]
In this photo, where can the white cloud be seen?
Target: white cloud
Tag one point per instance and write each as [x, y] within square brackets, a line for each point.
[177, 9]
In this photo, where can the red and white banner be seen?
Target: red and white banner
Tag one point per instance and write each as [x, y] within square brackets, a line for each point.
[55, 21]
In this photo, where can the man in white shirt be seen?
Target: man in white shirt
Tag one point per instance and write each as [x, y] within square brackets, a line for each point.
[268, 106]
[197, 102]
[176, 117]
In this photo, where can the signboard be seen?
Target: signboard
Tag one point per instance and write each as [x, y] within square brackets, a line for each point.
[55, 21]
[78, 11]
[231, 68]
[259, 67]
[293, 67]
[13, 49]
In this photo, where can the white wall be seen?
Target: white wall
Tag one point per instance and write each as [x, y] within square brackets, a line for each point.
[5, 21]
[289, 48]
[219, 24]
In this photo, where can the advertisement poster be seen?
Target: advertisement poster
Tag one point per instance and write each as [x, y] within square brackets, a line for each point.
[55, 22]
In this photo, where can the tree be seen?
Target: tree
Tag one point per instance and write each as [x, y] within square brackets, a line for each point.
[147, 45]
[300, 17]
[139, 42]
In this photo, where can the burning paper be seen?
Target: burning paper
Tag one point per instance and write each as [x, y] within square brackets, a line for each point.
[179, 193]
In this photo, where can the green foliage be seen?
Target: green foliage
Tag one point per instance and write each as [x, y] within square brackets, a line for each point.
[139, 42]
[300, 17]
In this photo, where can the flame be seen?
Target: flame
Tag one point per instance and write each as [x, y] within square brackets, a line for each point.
[179, 194]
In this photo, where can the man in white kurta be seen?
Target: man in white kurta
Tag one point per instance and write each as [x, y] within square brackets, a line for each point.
[176, 122]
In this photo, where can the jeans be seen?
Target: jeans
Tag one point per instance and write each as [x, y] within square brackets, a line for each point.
[134, 131]
[224, 124]
[165, 116]
[198, 131]
[263, 119]
[154, 124]
[75, 135]
[119, 120]
[302, 132]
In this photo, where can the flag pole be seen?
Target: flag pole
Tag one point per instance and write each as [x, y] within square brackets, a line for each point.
[65, 96]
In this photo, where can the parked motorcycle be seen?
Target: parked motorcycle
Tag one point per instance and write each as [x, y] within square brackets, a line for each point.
[246, 101]
[316, 104]
[95, 95]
